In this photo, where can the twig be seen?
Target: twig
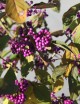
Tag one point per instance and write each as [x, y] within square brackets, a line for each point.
[5, 28]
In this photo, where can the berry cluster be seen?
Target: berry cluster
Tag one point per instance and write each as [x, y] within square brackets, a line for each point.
[56, 49]
[36, 11]
[78, 14]
[7, 62]
[68, 31]
[63, 99]
[21, 45]
[30, 2]
[17, 99]
[42, 39]
[68, 101]
[2, 6]
[20, 97]
[23, 84]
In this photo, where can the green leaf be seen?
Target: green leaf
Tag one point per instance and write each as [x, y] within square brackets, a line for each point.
[4, 1]
[54, 5]
[41, 92]
[75, 23]
[25, 68]
[2, 14]
[5, 53]
[70, 15]
[31, 98]
[62, 45]
[3, 42]
[44, 102]
[56, 8]
[43, 5]
[13, 56]
[1, 70]
[74, 87]
[10, 73]
[76, 35]
[1, 82]
[75, 73]
[37, 20]
[9, 83]
[43, 76]
[77, 46]
[58, 71]
[57, 33]
[75, 102]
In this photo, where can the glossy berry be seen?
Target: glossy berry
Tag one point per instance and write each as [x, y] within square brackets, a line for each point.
[21, 45]
[78, 14]
[36, 11]
[61, 100]
[2, 6]
[42, 39]
[68, 31]
[17, 98]
[23, 85]
[68, 101]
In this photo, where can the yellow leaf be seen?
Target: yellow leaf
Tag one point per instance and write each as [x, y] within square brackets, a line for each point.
[17, 10]
[6, 101]
[68, 69]
[30, 58]
[72, 56]
[58, 85]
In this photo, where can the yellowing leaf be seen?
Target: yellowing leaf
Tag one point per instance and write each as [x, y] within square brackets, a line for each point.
[6, 101]
[17, 10]
[69, 55]
[30, 58]
[58, 85]
[68, 69]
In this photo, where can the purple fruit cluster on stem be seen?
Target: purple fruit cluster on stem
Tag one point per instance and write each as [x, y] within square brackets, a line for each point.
[20, 97]
[42, 39]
